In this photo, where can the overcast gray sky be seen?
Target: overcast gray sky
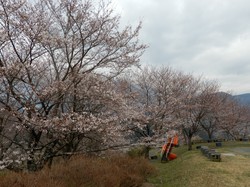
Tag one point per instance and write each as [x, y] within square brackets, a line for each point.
[203, 37]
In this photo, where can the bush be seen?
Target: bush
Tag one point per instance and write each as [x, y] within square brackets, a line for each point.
[116, 170]
[142, 151]
[136, 152]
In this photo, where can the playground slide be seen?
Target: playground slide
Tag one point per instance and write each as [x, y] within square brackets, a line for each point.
[166, 154]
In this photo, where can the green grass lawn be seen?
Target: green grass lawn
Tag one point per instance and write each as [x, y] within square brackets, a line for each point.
[192, 169]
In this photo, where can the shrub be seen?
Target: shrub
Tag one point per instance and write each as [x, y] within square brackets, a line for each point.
[116, 170]
[137, 152]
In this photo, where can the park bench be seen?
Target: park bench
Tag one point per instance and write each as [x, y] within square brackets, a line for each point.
[211, 153]
[215, 157]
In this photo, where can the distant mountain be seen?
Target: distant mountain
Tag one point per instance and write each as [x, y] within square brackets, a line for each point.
[243, 98]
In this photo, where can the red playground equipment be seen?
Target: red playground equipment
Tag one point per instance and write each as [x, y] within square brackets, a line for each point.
[166, 154]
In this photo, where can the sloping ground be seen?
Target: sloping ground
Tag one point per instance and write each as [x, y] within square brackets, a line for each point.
[192, 169]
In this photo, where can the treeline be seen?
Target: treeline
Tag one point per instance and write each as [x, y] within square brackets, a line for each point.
[166, 99]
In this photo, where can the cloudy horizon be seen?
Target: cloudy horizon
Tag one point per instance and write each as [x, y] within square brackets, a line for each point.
[207, 38]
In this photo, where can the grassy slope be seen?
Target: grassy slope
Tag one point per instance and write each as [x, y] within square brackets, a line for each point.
[193, 169]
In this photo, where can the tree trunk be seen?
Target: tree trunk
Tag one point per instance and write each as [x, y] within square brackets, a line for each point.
[188, 138]
[209, 136]
[146, 151]
[189, 143]
[31, 165]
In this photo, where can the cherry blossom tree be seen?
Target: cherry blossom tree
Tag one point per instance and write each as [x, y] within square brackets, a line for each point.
[232, 117]
[156, 102]
[58, 60]
[210, 100]
[245, 126]
[190, 113]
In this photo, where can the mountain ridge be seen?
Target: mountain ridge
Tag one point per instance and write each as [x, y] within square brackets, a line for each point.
[243, 98]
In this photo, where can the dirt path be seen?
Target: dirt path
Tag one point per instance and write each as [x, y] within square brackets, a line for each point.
[242, 150]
